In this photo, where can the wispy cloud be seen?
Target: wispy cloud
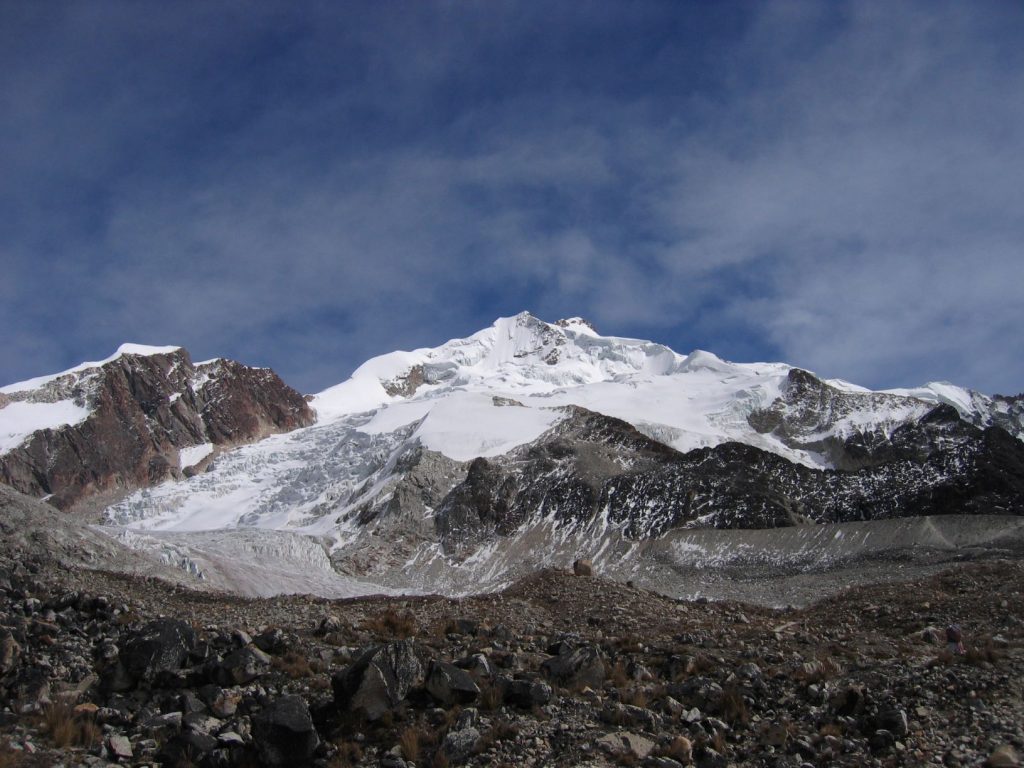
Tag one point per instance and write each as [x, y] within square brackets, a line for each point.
[834, 185]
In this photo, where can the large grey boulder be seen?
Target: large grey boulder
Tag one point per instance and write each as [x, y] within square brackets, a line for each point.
[378, 679]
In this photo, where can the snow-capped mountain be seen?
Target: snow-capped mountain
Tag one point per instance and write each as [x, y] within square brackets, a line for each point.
[530, 443]
[141, 416]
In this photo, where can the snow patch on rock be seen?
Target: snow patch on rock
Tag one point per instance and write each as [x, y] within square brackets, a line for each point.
[19, 420]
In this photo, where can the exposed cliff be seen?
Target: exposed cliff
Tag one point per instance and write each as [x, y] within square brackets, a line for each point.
[143, 418]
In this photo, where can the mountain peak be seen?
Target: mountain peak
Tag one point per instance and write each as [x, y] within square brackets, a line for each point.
[578, 324]
[141, 350]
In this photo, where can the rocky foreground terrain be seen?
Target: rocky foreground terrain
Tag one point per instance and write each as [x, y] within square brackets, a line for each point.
[98, 668]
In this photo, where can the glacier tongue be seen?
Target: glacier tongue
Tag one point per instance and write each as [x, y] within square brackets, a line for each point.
[719, 564]
[253, 563]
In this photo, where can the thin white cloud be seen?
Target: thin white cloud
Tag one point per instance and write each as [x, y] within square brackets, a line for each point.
[841, 188]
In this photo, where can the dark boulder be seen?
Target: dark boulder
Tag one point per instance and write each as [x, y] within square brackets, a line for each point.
[284, 734]
[583, 567]
[156, 651]
[525, 693]
[187, 748]
[274, 640]
[242, 666]
[451, 685]
[701, 692]
[378, 679]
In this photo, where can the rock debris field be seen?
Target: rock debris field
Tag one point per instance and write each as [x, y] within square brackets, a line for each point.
[106, 669]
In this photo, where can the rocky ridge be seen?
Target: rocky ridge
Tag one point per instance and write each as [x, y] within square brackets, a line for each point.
[592, 467]
[144, 410]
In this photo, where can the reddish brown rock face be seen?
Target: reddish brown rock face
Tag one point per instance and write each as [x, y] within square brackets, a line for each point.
[144, 409]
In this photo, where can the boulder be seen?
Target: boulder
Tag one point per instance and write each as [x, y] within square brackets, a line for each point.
[378, 679]
[635, 717]
[578, 667]
[525, 693]
[706, 757]
[1003, 757]
[894, 720]
[458, 745]
[851, 701]
[701, 692]
[882, 740]
[201, 723]
[161, 646]
[329, 625]
[284, 734]
[451, 685]
[222, 703]
[625, 741]
[187, 748]
[242, 666]
[478, 665]
[273, 640]
[583, 567]
[120, 747]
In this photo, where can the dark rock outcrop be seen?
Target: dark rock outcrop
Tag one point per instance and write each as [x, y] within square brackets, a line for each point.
[594, 470]
[525, 692]
[144, 410]
[809, 410]
[378, 679]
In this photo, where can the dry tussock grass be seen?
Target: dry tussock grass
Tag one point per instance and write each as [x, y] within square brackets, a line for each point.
[392, 624]
[491, 698]
[637, 697]
[66, 729]
[349, 754]
[618, 677]
[409, 743]
[679, 749]
[292, 664]
[733, 706]
[9, 757]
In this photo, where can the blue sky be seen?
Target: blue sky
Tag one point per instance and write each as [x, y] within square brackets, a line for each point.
[305, 185]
